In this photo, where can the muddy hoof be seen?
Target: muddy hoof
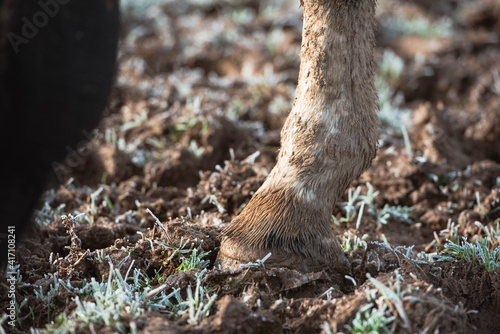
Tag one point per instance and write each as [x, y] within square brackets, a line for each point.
[233, 254]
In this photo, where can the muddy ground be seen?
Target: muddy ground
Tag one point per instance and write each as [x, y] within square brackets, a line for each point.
[204, 85]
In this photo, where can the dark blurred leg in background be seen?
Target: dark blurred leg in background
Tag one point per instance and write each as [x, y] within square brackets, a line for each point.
[57, 60]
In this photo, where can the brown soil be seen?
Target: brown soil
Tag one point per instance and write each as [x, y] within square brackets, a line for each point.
[201, 87]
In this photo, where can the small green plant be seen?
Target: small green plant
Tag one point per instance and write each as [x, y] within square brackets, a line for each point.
[93, 207]
[369, 198]
[424, 258]
[47, 214]
[212, 199]
[476, 253]
[395, 213]
[194, 260]
[360, 215]
[190, 258]
[444, 178]
[383, 302]
[108, 202]
[371, 319]
[492, 234]
[450, 233]
[48, 297]
[355, 243]
[197, 305]
[354, 207]
[349, 207]
[99, 255]
[105, 303]
[392, 295]
[481, 209]
[326, 327]
[18, 307]
[157, 277]
[3, 317]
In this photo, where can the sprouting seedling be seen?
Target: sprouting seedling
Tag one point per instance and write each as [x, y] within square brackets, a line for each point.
[46, 214]
[481, 209]
[198, 305]
[47, 298]
[53, 261]
[371, 319]
[17, 310]
[190, 258]
[99, 255]
[451, 231]
[370, 197]
[350, 205]
[160, 225]
[108, 203]
[195, 260]
[393, 295]
[355, 243]
[492, 234]
[93, 199]
[212, 199]
[424, 258]
[397, 213]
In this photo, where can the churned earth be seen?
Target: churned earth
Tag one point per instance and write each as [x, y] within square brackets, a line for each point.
[127, 232]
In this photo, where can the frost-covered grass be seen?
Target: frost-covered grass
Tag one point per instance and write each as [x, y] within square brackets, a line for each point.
[356, 203]
[121, 299]
[476, 253]
[383, 303]
[371, 319]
